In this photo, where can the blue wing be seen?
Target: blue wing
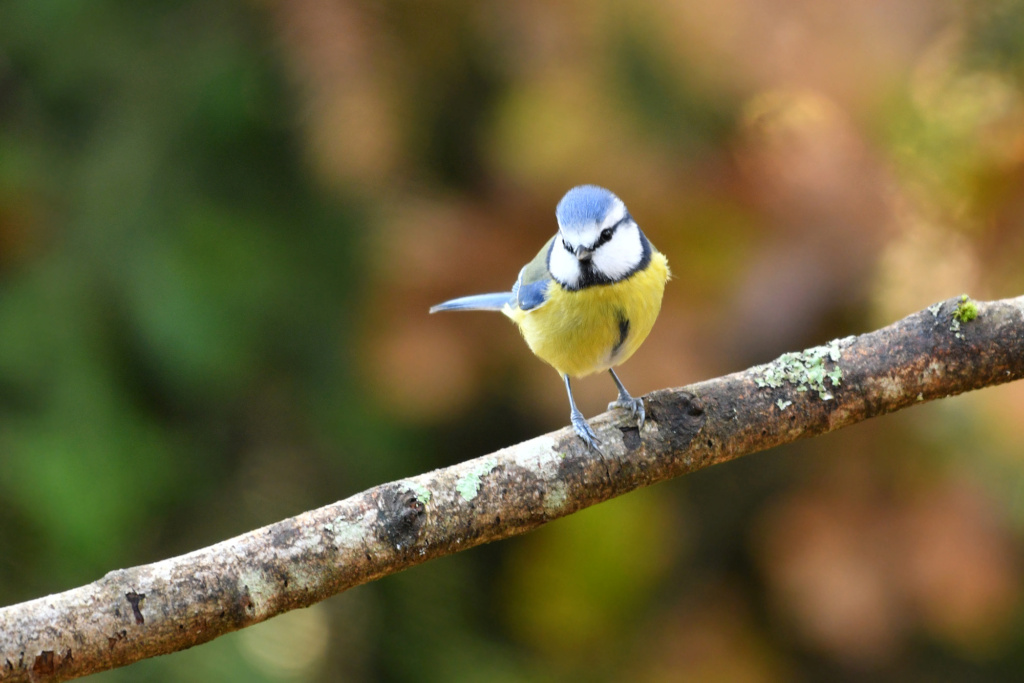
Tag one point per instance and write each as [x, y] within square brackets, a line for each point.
[532, 294]
[531, 289]
[529, 292]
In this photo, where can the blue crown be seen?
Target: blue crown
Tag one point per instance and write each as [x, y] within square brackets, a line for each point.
[584, 204]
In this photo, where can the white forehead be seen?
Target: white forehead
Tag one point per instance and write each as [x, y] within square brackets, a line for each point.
[587, 210]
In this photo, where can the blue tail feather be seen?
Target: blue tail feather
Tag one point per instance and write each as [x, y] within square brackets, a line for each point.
[476, 302]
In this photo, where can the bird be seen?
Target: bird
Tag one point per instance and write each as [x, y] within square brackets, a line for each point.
[588, 299]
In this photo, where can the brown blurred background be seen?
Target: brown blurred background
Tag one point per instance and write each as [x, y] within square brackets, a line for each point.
[222, 224]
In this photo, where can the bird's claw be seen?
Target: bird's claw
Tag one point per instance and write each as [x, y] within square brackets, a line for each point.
[584, 431]
[635, 406]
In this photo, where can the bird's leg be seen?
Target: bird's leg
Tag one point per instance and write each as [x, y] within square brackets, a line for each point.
[583, 429]
[635, 406]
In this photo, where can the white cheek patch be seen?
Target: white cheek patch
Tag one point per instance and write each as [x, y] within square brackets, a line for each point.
[563, 266]
[621, 254]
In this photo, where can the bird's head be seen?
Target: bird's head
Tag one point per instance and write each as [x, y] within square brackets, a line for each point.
[597, 242]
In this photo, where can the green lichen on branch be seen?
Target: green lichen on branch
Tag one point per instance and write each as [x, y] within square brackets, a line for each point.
[807, 370]
[966, 311]
[421, 491]
[469, 484]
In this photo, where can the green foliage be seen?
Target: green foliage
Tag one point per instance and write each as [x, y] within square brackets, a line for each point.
[996, 38]
[574, 588]
[171, 261]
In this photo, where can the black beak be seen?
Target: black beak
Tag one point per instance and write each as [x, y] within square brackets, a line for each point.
[583, 254]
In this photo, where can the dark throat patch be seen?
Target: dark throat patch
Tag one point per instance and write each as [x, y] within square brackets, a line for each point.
[620, 315]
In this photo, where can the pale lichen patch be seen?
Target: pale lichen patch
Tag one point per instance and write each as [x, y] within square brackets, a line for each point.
[468, 484]
[954, 327]
[889, 388]
[302, 578]
[807, 371]
[933, 371]
[539, 456]
[346, 534]
[422, 492]
[555, 497]
[298, 545]
[259, 589]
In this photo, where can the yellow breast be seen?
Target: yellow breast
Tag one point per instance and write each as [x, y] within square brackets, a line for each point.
[593, 329]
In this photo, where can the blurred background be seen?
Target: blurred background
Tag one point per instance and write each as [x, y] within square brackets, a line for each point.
[222, 224]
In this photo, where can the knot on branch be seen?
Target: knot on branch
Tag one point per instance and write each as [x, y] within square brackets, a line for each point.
[400, 515]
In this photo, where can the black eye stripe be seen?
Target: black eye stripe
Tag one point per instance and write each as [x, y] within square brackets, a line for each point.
[603, 237]
[608, 233]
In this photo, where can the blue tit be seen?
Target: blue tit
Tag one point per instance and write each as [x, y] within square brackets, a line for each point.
[588, 299]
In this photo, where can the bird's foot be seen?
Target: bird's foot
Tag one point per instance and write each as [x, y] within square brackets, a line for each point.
[584, 431]
[635, 406]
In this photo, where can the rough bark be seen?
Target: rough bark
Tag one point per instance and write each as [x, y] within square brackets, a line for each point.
[131, 614]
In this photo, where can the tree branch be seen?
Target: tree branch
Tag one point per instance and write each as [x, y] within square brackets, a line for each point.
[131, 614]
